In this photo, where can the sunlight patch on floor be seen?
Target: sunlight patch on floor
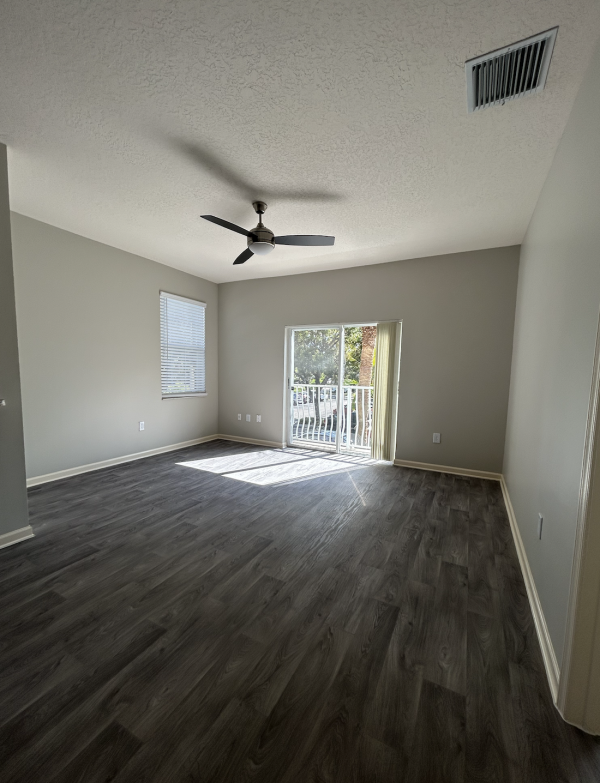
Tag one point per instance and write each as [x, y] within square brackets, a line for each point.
[279, 466]
[232, 462]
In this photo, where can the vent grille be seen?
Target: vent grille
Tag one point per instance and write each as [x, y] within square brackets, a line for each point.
[516, 70]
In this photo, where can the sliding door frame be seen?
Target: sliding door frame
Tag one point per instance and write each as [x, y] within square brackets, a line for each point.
[288, 376]
[289, 382]
[396, 387]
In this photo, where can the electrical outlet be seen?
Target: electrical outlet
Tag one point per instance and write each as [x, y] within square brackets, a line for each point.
[258, 418]
[248, 417]
[540, 525]
[437, 438]
[141, 425]
[239, 416]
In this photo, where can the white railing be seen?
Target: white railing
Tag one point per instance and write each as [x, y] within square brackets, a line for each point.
[315, 413]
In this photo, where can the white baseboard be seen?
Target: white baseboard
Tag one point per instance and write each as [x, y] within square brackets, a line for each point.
[406, 463]
[107, 463]
[8, 539]
[61, 474]
[548, 654]
[253, 441]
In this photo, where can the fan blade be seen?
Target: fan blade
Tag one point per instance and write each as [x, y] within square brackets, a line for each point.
[308, 240]
[243, 257]
[226, 224]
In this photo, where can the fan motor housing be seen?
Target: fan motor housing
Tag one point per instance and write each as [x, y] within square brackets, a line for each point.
[261, 240]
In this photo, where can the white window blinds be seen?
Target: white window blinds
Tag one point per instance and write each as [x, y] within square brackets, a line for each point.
[182, 345]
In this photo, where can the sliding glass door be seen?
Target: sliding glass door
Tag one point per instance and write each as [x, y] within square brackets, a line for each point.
[330, 387]
[314, 389]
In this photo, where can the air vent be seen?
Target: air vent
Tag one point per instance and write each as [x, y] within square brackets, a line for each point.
[516, 70]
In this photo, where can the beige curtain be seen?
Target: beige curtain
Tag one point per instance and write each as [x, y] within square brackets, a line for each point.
[383, 393]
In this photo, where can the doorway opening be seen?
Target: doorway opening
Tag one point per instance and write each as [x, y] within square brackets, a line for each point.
[330, 387]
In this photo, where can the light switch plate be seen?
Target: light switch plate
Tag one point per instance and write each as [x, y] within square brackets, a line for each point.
[437, 438]
[248, 417]
[239, 416]
[258, 418]
[141, 425]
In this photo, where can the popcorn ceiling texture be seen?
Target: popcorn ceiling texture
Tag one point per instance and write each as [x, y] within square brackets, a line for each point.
[363, 101]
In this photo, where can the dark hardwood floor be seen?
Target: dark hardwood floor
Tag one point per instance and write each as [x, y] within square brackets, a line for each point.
[364, 626]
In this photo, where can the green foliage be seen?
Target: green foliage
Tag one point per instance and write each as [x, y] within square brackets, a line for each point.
[316, 355]
[353, 349]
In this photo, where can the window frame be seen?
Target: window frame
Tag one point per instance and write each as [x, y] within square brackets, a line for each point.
[167, 294]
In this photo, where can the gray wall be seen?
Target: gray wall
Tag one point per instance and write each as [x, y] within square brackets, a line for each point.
[89, 340]
[458, 317]
[13, 495]
[555, 329]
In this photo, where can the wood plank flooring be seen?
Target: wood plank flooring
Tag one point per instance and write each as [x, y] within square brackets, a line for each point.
[169, 623]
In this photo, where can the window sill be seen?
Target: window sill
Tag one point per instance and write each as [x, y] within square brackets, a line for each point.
[188, 394]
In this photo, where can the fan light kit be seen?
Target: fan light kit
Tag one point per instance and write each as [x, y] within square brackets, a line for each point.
[261, 239]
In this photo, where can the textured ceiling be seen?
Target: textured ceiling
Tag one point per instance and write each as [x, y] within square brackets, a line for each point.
[126, 121]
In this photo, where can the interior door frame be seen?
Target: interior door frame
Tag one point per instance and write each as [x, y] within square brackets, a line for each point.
[288, 372]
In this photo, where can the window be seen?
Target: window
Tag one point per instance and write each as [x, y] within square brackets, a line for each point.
[182, 346]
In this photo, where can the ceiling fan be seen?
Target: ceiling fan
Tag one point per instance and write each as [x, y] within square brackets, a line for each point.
[261, 239]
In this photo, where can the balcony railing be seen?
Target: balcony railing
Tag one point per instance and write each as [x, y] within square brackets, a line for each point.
[315, 412]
